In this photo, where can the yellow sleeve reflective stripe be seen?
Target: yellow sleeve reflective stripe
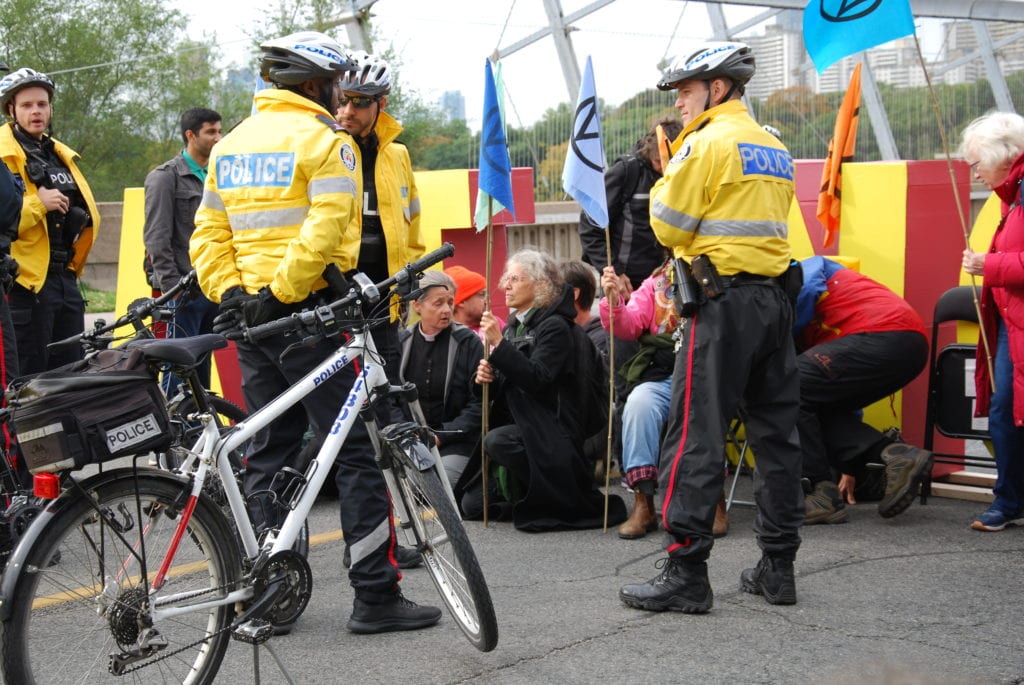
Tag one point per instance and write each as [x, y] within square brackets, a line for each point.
[212, 200]
[674, 218]
[333, 184]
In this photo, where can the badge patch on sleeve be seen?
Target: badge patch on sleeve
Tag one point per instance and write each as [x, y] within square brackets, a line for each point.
[682, 154]
[770, 161]
[348, 157]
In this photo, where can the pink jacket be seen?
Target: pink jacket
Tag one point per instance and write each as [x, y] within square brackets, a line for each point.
[649, 309]
[1003, 293]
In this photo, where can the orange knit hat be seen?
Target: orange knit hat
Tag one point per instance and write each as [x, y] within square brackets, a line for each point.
[467, 283]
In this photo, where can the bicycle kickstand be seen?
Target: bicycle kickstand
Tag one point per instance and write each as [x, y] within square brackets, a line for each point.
[277, 660]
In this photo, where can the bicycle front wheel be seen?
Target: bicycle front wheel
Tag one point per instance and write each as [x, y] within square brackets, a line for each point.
[81, 611]
[448, 556]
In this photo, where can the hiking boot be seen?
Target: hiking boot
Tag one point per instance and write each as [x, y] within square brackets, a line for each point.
[373, 613]
[407, 557]
[772, 578]
[905, 468]
[993, 520]
[825, 505]
[681, 586]
[720, 528]
[642, 521]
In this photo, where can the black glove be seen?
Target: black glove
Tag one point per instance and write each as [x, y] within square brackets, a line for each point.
[229, 322]
[264, 307]
[8, 272]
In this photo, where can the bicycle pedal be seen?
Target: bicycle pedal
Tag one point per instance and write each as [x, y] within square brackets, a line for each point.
[254, 632]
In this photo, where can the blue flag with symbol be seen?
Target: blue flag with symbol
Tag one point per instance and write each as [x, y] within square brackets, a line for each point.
[495, 166]
[834, 29]
[583, 174]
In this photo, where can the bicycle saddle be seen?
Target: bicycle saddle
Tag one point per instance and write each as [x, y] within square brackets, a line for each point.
[181, 352]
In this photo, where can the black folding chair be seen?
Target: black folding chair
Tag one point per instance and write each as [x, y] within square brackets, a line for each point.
[950, 407]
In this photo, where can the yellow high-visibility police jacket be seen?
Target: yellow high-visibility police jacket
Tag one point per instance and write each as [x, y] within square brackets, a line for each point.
[281, 202]
[398, 200]
[726, 193]
[32, 248]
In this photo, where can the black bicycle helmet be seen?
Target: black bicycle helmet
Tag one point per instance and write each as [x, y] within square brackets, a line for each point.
[734, 61]
[299, 57]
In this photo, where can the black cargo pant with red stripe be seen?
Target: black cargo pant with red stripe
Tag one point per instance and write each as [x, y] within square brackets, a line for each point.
[736, 352]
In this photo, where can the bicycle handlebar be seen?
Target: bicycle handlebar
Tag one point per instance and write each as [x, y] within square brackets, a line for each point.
[310, 319]
[138, 310]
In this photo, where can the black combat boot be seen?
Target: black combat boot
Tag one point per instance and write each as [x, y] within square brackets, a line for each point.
[681, 586]
[772, 578]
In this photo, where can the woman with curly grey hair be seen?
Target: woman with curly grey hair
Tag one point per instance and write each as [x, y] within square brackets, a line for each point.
[537, 373]
[993, 146]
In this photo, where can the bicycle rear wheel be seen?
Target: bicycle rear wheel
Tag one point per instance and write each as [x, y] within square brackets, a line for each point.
[80, 605]
[448, 555]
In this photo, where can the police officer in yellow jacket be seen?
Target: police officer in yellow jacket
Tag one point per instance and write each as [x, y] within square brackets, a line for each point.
[722, 205]
[391, 235]
[281, 203]
[59, 222]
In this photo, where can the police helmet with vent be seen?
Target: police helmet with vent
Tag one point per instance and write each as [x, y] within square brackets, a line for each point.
[18, 80]
[371, 77]
[719, 59]
[299, 57]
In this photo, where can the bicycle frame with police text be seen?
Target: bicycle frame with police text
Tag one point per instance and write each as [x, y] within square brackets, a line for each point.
[212, 448]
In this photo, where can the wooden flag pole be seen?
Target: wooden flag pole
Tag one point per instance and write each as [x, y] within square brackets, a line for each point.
[959, 209]
[486, 394]
[611, 388]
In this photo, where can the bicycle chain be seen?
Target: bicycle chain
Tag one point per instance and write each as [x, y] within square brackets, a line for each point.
[207, 638]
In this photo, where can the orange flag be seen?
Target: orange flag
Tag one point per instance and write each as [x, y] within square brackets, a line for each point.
[664, 146]
[840, 149]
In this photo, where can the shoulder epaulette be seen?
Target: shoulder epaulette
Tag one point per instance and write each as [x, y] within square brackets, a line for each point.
[331, 123]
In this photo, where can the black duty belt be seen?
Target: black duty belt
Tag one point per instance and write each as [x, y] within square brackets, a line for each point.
[744, 278]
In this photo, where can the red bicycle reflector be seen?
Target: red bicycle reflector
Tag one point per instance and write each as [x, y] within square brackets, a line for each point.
[46, 485]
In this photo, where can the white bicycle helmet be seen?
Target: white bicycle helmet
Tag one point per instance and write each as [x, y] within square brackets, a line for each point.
[298, 57]
[734, 61]
[371, 77]
[22, 78]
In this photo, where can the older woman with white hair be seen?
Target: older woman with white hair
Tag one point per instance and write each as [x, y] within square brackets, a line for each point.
[537, 371]
[993, 145]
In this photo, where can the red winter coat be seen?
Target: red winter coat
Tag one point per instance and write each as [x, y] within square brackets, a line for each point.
[1003, 293]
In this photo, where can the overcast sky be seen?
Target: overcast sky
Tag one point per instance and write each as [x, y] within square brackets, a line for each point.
[444, 43]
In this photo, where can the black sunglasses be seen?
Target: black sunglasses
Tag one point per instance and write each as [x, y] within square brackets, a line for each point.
[359, 101]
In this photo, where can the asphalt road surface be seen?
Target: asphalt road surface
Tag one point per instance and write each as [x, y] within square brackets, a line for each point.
[915, 599]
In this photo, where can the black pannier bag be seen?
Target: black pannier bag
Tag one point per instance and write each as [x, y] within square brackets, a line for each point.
[88, 412]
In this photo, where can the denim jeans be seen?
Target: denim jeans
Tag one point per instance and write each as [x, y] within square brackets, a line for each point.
[1007, 438]
[191, 317]
[642, 422]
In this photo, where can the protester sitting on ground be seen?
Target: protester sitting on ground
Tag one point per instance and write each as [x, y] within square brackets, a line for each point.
[859, 342]
[581, 278]
[648, 317]
[440, 357]
[993, 145]
[470, 297]
[537, 373]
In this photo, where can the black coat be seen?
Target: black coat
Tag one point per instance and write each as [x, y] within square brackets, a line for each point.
[635, 251]
[537, 383]
[459, 432]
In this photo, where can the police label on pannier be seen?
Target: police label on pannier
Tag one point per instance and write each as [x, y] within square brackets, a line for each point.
[126, 435]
